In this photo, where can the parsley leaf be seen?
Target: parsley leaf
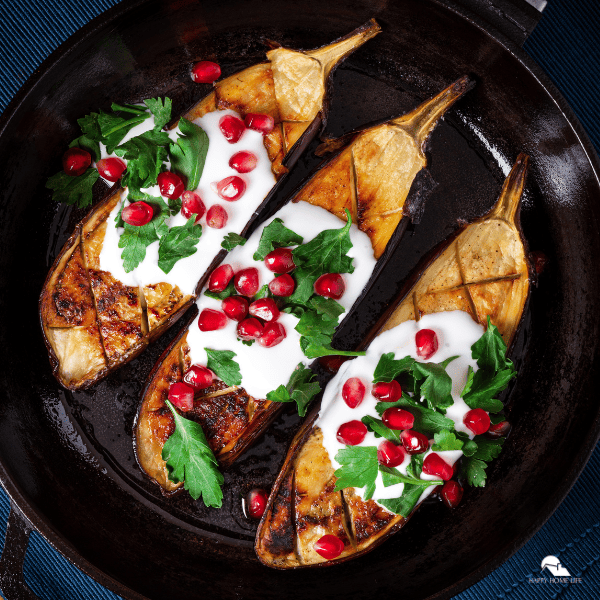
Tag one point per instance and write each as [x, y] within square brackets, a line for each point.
[359, 468]
[178, 243]
[221, 363]
[380, 430]
[231, 240]
[446, 440]
[473, 466]
[317, 326]
[161, 109]
[114, 127]
[406, 503]
[495, 371]
[437, 385]
[190, 459]
[188, 155]
[134, 240]
[300, 389]
[275, 235]
[325, 253]
[388, 369]
[427, 421]
[73, 190]
[413, 486]
[145, 155]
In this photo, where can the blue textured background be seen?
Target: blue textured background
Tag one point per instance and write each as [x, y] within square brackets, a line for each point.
[566, 44]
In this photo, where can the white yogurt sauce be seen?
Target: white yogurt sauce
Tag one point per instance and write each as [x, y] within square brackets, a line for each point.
[187, 271]
[456, 332]
[264, 369]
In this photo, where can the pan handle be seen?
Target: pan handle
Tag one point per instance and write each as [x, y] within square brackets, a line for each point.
[516, 19]
[12, 583]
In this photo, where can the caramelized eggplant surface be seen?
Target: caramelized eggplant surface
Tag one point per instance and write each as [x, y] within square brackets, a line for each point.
[483, 270]
[371, 177]
[92, 323]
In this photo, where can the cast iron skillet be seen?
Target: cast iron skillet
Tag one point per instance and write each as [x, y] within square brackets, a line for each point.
[67, 461]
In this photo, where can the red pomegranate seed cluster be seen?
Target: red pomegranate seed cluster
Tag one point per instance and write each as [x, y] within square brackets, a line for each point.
[257, 320]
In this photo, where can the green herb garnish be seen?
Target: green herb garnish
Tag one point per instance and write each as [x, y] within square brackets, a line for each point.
[191, 461]
[300, 389]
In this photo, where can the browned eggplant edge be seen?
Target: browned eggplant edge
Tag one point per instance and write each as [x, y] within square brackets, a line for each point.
[308, 426]
[295, 447]
[53, 272]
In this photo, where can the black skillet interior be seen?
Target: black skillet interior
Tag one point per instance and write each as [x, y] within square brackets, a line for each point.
[71, 454]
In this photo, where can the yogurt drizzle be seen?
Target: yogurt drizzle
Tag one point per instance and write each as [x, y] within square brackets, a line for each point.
[187, 272]
[264, 369]
[456, 332]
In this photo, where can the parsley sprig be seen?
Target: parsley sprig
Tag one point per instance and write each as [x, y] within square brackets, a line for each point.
[429, 386]
[147, 156]
[190, 460]
[300, 389]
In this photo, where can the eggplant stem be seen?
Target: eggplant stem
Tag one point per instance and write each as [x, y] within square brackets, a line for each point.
[421, 121]
[331, 54]
[510, 197]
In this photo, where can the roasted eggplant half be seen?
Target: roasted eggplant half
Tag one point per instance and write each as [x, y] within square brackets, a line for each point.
[92, 322]
[482, 271]
[369, 178]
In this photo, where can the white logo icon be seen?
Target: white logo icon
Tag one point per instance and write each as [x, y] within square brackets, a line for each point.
[553, 565]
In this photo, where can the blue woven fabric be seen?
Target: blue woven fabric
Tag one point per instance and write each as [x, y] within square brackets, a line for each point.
[567, 46]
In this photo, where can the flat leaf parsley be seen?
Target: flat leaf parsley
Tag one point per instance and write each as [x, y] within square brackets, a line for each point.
[190, 459]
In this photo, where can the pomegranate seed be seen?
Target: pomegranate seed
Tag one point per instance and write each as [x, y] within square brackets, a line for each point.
[170, 184]
[397, 418]
[220, 278]
[414, 442]
[477, 420]
[231, 188]
[330, 285]
[181, 395]
[435, 465]
[235, 307]
[256, 500]
[499, 429]
[264, 309]
[283, 285]
[427, 343]
[216, 217]
[138, 214]
[387, 391]
[258, 122]
[353, 392]
[232, 128]
[247, 281]
[273, 334]
[111, 168]
[390, 455]
[243, 162]
[206, 71]
[211, 320]
[452, 494]
[76, 161]
[250, 329]
[329, 546]
[191, 204]
[351, 433]
[198, 377]
[280, 260]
